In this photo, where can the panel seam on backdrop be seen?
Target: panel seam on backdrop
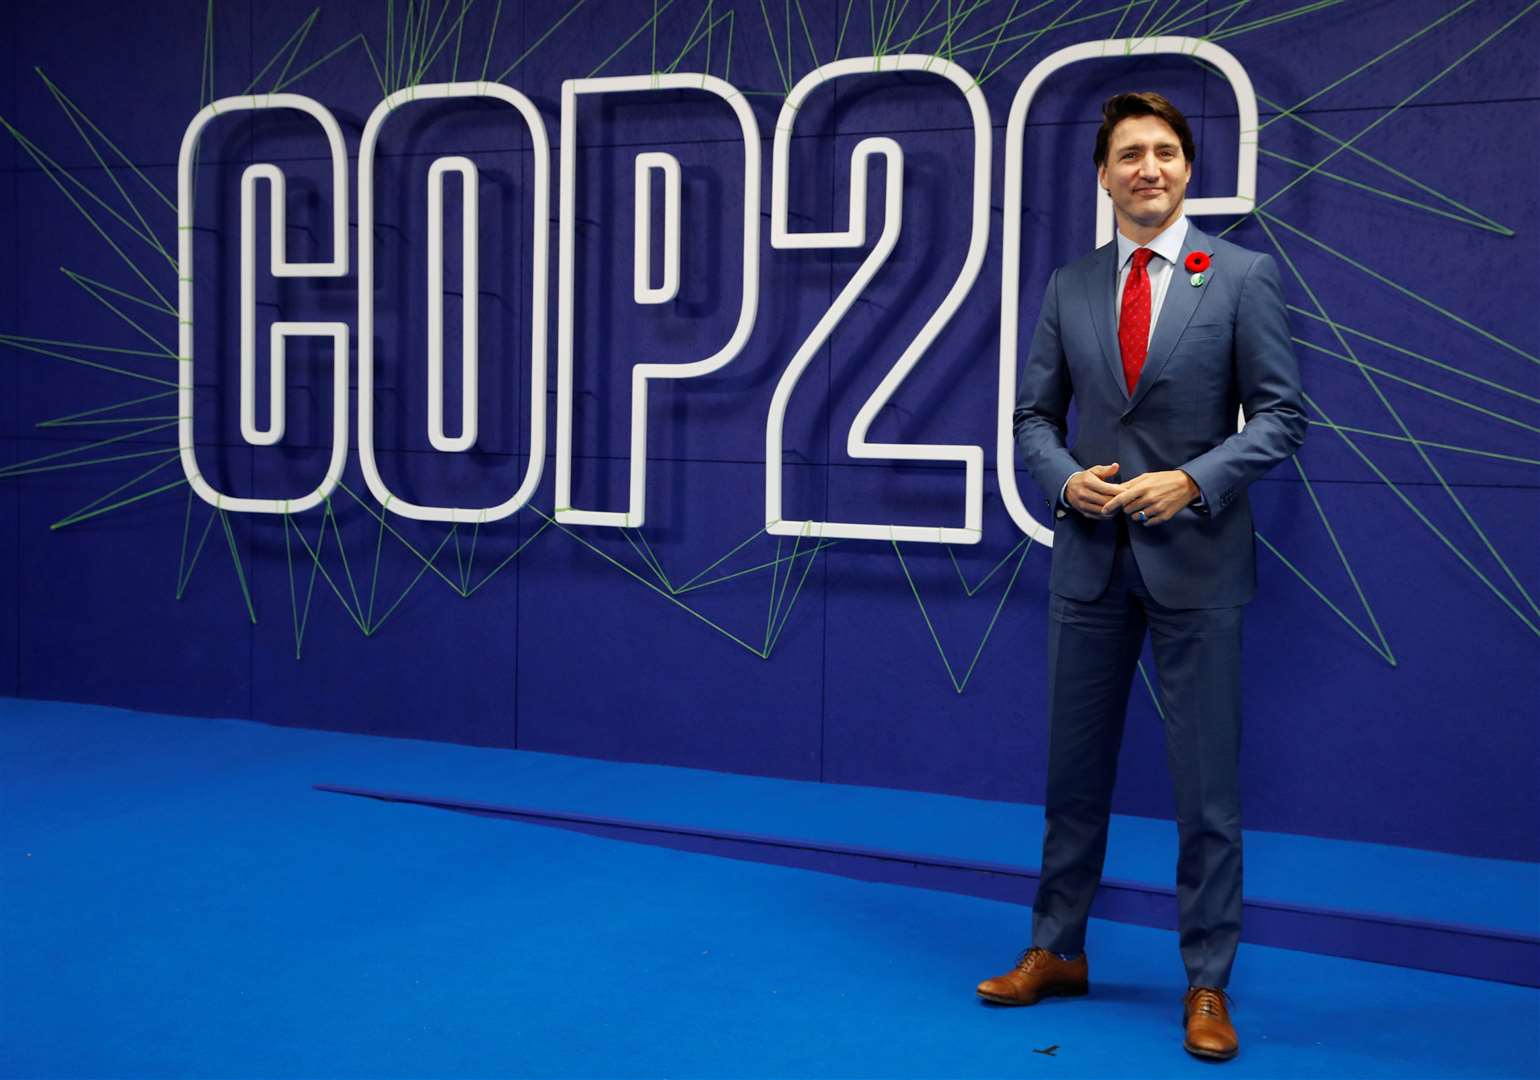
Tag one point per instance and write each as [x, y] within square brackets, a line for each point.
[251, 147]
[16, 386]
[916, 466]
[518, 570]
[1207, 75]
[15, 399]
[1263, 114]
[823, 649]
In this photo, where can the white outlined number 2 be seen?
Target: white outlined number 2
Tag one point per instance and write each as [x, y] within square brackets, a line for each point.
[971, 457]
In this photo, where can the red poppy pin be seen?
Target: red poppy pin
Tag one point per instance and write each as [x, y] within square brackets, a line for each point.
[1197, 262]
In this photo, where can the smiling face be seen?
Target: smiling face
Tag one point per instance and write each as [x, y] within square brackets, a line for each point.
[1146, 174]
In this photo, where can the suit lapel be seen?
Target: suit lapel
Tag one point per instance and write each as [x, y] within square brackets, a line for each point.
[1100, 295]
[1176, 311]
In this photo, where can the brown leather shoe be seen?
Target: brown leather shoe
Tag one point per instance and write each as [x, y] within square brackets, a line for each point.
[1038, 974]
[1206, 1016]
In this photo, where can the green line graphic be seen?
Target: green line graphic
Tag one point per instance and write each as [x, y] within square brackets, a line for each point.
[921, 28]
[1265, 219]
[206, 72]
[1453, 548]
[23, 340]
[1160, 710]
[315, 556]
[1399, 174]
[635, 34]
[1486, 542]
[509, 558]
[1273, 20]
[811, 48]
[1143, 18]
[784, 618]
[374, 578]
[774, 582]
[299, 620]
[184, 568]
[775, 52]
[1117, 31]
[289, 48]
[1169, 22]
[1452, 369]
[375, 624]
[108, 420]
[1400, 425]
[76, 116]
[705, 35]
[961, 684]
[1403, 290]
[379, 515]
[1377, 121]
[1229, 12]
[1361, 68]
[11, 471]
[1382, 193]
[1383, 646]
[972, 590]
[78, 518]
[1058, 21]
[655, 588]
[1434, 445]
[96, 289]
[486, 63]
[1360, 365]
[21, 466]
[770, 565]
[235, 559]
[14, 343]
[94, 509]
[51, 170]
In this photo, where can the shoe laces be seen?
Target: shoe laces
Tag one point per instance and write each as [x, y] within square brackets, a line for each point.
[1030, 958]
[1206, 1001]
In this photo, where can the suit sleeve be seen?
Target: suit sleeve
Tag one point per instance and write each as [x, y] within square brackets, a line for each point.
[1043, 392]
[1267, 377]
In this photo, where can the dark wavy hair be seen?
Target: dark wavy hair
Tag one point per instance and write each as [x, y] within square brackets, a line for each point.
[1120, 107]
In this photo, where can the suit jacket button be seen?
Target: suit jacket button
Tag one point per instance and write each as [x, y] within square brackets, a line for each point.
[1125, 421]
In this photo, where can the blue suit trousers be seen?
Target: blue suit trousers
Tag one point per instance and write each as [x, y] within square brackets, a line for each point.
[1093, 652]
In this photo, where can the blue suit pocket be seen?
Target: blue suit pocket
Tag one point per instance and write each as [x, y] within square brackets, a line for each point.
[1204, 332]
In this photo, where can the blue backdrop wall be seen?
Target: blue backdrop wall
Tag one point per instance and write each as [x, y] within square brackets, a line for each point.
[1391, 652]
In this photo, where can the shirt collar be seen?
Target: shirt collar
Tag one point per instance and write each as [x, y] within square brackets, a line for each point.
[1168, 245]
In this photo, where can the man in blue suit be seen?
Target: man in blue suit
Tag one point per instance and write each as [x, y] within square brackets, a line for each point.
[1159, 338]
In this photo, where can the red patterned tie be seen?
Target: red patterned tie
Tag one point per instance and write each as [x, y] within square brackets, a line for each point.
[1134, 322]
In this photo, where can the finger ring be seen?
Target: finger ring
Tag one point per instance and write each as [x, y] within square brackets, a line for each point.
[1143, 517]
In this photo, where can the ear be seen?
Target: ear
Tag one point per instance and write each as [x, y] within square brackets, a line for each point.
[1101, 177]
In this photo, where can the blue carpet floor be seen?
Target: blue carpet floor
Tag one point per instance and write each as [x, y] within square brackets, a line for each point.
[177, 901]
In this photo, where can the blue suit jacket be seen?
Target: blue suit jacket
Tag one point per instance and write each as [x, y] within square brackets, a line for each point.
[1217, 347]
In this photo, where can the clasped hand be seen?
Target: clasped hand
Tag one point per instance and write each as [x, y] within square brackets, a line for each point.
[1158, 495]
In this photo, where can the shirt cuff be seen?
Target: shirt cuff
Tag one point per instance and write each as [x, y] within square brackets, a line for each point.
[1200, 504]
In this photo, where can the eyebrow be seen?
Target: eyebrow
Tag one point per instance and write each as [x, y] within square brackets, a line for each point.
[1162, 145]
